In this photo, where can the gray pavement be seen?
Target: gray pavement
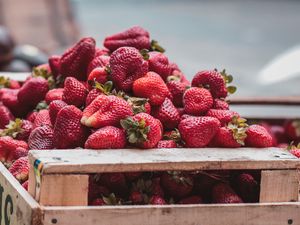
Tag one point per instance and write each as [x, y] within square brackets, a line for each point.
[239, 35]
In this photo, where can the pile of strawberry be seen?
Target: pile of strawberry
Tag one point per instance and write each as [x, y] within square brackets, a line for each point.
[125, 95]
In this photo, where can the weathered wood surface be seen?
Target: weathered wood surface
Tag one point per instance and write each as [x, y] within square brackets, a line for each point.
[279, 186]
[233, 214]
[15, 76]
[17, 206]
[95, 161]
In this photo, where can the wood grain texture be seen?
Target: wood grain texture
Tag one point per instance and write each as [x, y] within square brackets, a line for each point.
[64, 190]
[279, 186]
[18, 207]
[126, 160]
[234, 214]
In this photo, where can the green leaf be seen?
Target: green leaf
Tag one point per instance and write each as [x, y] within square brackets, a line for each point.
[231, 89]
[156, 47]
[145, 54]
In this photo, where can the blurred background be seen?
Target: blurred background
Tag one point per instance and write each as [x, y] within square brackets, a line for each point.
[257, 41]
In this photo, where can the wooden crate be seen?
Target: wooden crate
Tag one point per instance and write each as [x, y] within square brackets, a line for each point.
[59, 186]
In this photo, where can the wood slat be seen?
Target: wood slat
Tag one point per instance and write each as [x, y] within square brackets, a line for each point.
[233, 214]
[15, 76]
[126, 160]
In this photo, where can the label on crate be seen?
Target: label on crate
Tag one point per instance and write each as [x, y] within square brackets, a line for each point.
[6, 207]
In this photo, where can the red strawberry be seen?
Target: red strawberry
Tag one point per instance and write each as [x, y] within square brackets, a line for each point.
[133, 37]
[5, 116]
[98, 74]
[115, 182]
[197, 132]
[292, 129]
[31, 116]
[224, 116]
[97, 202]
[177, 184]
[233, 135]
[223, 193]
[99, 61]
[95, 189]
[220, 104]
[41, 138]
[157, 200]
[181, 77]
[143, 130]
[74, 92]
[156, 188]
[18, 129]
[74, 62]
[94, 93]
[106, 111]
[11, 149]
[54, 107]
[177, 90]
[127, 65]
[68, 131]
[197, 101]
[54, 64]
[20, 169]
[139, 105]
[166, 144]
[278, 134]
[151, 86]
[25, 185]
[106, 138]
[9, 98]
[101, 51]
[167, 113]
[295, 151]
[42, 118]
[136, 198]
[54, 94]
[194, 199]
[9, 83]
[33, 91]
[159, 63]
[213, 80]
[258, 136]
[247, 187]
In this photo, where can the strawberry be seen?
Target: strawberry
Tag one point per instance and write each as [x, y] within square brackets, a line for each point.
[181, 77]
[42, 118]
[101, 51]
[157, 200]
[115, 182]
[197, 132]
[5, 116]
[9, 83]
[223, 193]
[278, 134]
[68, 131]
[9, 98]
[294, 149]
[142, 130]
[33, 91]
[106, 111]
[151, 86]
[20, 169]
[25, 185]
[197, 101]
[167, 113]
[95, 189]
[54, 107]
[98, 62]
[224, 116]
[258, 136]
[74, 92]
[233, 135]
[292, 129]
[136, 198]
[194, 199]
[54, 64]
[177, 90]
[139, 105]
[11, 149]
[74, 62]
[31, 116]
[98, 74]
[159, 63]
[177, 184]
[97, 202]
[166, 144]
[156, 188]
[133, 37]
[18, 129]
[247, 187]
[214, 81]
[106, 138]
[127, 65]
[220, 104]
[41, 138]
[94, 93]
[54, 94]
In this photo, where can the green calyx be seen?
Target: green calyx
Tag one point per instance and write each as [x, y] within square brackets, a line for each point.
[238, 126]
[296, 125]
[41, 105]
[136, 131]
[107, 69]
[173, 78]
[111, 200]
[41, 72]
[291, 146]
[104, 88]
[145, 54]
[156, 47]
[13, 128]
[228, 78]
[4, 82]
[137, 104]
[174, 135]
